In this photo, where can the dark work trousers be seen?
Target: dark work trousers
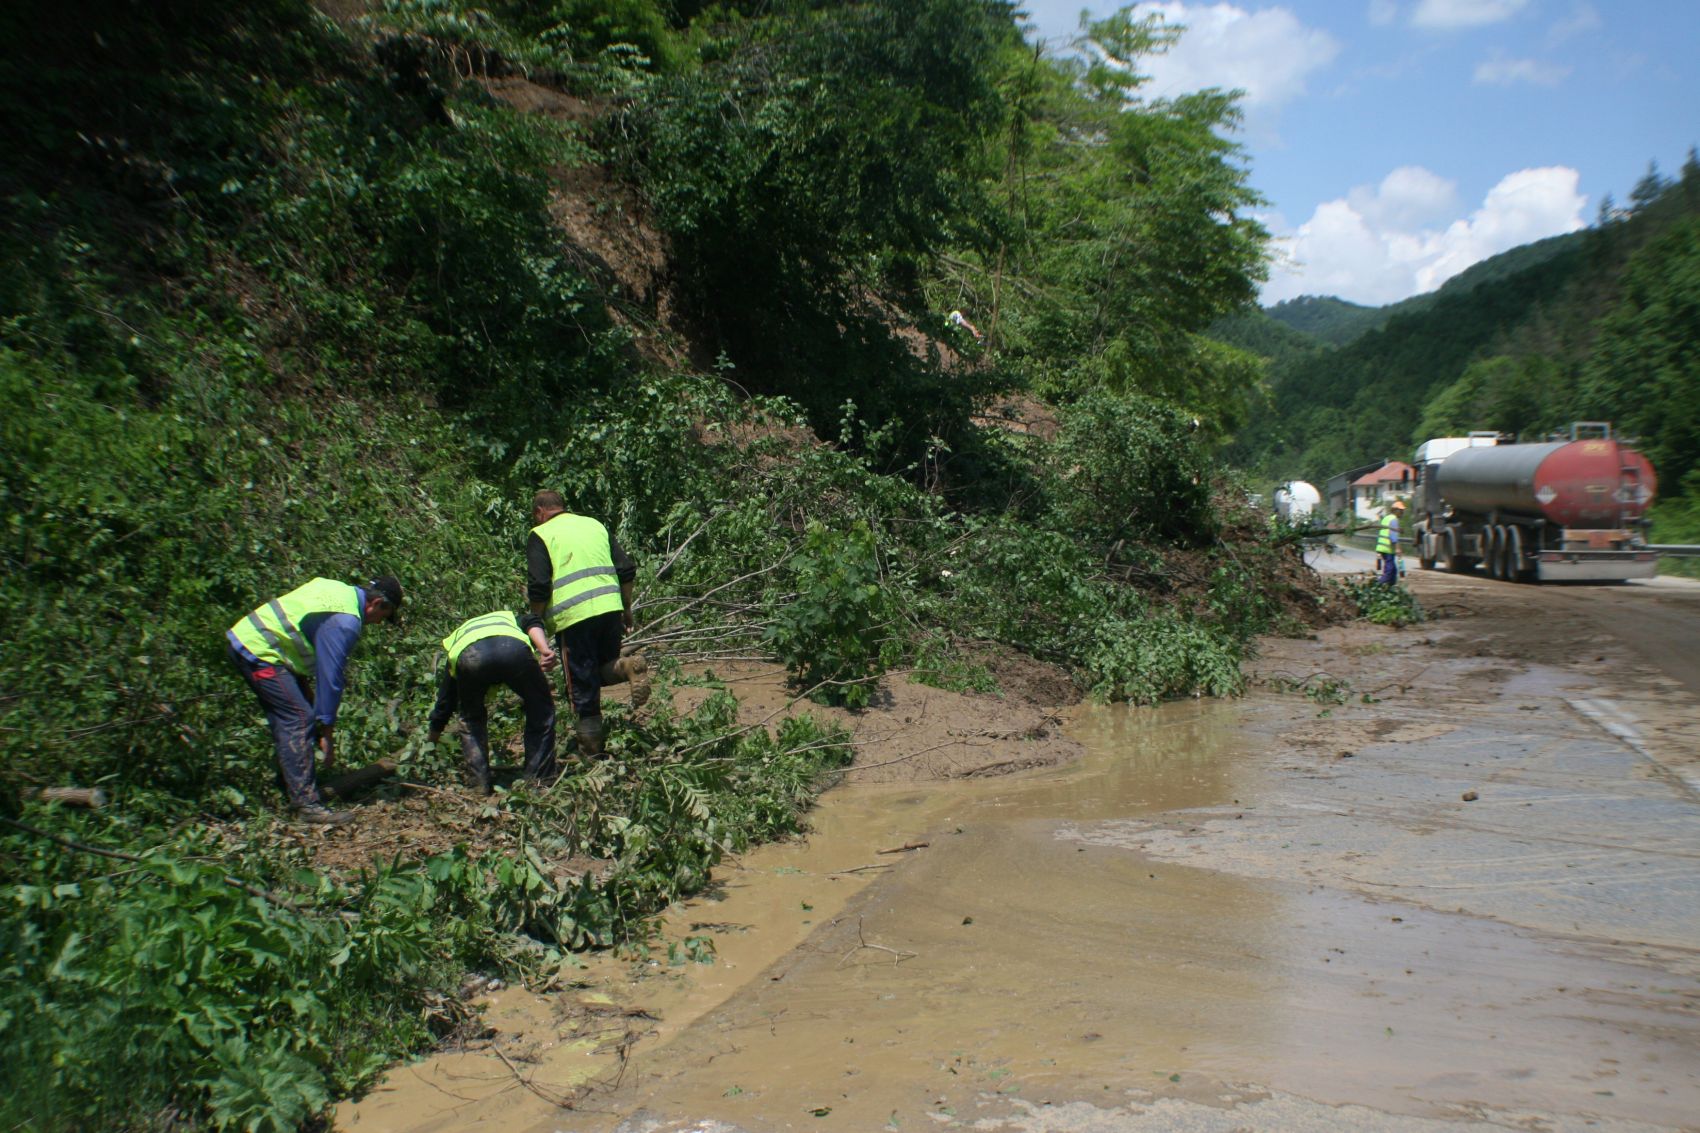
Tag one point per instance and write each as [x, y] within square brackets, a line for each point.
[585, 647]
[289, 709]
[483, 664]
[1389, 568]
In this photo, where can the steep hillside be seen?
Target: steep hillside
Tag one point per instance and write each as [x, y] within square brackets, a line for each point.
[287, 296]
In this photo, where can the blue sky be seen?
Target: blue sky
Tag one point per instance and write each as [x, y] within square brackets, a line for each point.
[1400, 141]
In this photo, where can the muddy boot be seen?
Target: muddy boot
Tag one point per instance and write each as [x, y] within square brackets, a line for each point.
[318, 814]
[589, 733]
[477, 762]
[630, 669]
[540, 771]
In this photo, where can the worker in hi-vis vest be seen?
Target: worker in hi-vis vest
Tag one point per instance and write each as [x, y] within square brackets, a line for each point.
[285, 648]
[1387, 544]
[497, 649]
[579, 582]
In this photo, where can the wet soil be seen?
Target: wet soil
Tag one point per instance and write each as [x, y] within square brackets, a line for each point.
[1454, 887]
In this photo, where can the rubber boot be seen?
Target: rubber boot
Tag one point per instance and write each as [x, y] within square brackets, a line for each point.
[479, 780]
[477, 762]
[589, 733]
[542, 769]
[629, 669]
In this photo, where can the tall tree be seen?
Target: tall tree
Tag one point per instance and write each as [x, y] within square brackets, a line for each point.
[1645, 371]
[1129, 234]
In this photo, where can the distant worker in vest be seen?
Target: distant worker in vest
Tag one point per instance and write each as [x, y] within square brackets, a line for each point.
[498, 649]
[289, 646]
[580, 581]
[1387, 543]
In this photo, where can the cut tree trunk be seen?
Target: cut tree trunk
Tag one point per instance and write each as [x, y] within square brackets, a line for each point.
[92, 797]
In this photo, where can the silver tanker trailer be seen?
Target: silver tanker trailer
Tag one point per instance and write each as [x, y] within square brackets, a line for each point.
[1563, 510]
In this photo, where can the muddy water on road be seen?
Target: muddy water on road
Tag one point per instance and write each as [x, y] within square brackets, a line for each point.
[1020, 959]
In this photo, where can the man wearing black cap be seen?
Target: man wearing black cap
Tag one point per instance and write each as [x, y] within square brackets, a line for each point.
[280, 647]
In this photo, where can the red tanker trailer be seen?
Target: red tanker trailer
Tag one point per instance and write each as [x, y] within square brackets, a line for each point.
[1563, 510]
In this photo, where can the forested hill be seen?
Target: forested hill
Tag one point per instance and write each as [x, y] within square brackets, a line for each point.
[292, 291]
[1598, 325]
[1326, 319]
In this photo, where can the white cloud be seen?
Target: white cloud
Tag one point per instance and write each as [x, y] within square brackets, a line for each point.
[1464, 13]
[1407, 198]
[1503, 72]
[1384, 243]
[1581, 20]
[1382, 12]
[1268, 54]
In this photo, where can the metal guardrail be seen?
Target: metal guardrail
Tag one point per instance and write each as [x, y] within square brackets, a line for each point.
[1676, 550]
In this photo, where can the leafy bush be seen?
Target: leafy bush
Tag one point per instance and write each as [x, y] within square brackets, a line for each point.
[249, 1008]
[1384, 605]
[1162, 657]
[1128, 468]
[832, 634]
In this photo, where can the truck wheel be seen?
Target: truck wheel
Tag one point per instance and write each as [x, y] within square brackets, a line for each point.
[1455, 562]
[1490, 549]
[1426, 548]
[1515, 568]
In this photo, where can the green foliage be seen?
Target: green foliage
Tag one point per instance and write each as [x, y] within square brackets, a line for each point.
[833, 633]
[1676, 519]
[1128, 468]
[1645, 372]
[1326, 319]
[248, 1010]
[255, 1010]
[818, 140]
[1125, 217]
[1526, 396]
[1258, 332]
[680, 792]
[1384, 605]
[1162, 657]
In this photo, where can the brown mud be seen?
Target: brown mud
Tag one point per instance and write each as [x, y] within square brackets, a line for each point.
[1452, 887]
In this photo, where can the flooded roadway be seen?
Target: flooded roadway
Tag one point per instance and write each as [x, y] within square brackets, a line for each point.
[1269, 914]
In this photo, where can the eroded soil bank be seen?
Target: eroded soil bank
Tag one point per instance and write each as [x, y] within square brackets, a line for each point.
[1454, 886]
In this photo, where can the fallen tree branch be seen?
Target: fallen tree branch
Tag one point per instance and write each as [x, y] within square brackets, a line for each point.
[565, 1102]
[897, 956]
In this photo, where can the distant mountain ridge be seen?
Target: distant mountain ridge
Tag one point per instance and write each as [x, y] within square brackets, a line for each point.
[1337, 322]
[1327, 319]
[1596, 324]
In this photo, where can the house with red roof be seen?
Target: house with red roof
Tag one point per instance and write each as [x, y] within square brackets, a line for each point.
[1374, 491]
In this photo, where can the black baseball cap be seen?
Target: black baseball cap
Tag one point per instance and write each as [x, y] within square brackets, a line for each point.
[387, 587]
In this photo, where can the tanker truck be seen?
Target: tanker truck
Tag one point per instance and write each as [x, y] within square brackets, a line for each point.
[1563, 510]
[1295, 501]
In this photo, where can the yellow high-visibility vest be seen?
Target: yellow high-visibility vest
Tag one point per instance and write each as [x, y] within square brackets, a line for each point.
[498, 624]
[1384, 540]
[581, 557]
[272, 632]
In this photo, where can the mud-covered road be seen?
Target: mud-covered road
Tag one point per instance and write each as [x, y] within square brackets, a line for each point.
[1446, 877]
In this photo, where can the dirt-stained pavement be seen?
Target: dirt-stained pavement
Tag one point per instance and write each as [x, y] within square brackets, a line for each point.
[1434, 878]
